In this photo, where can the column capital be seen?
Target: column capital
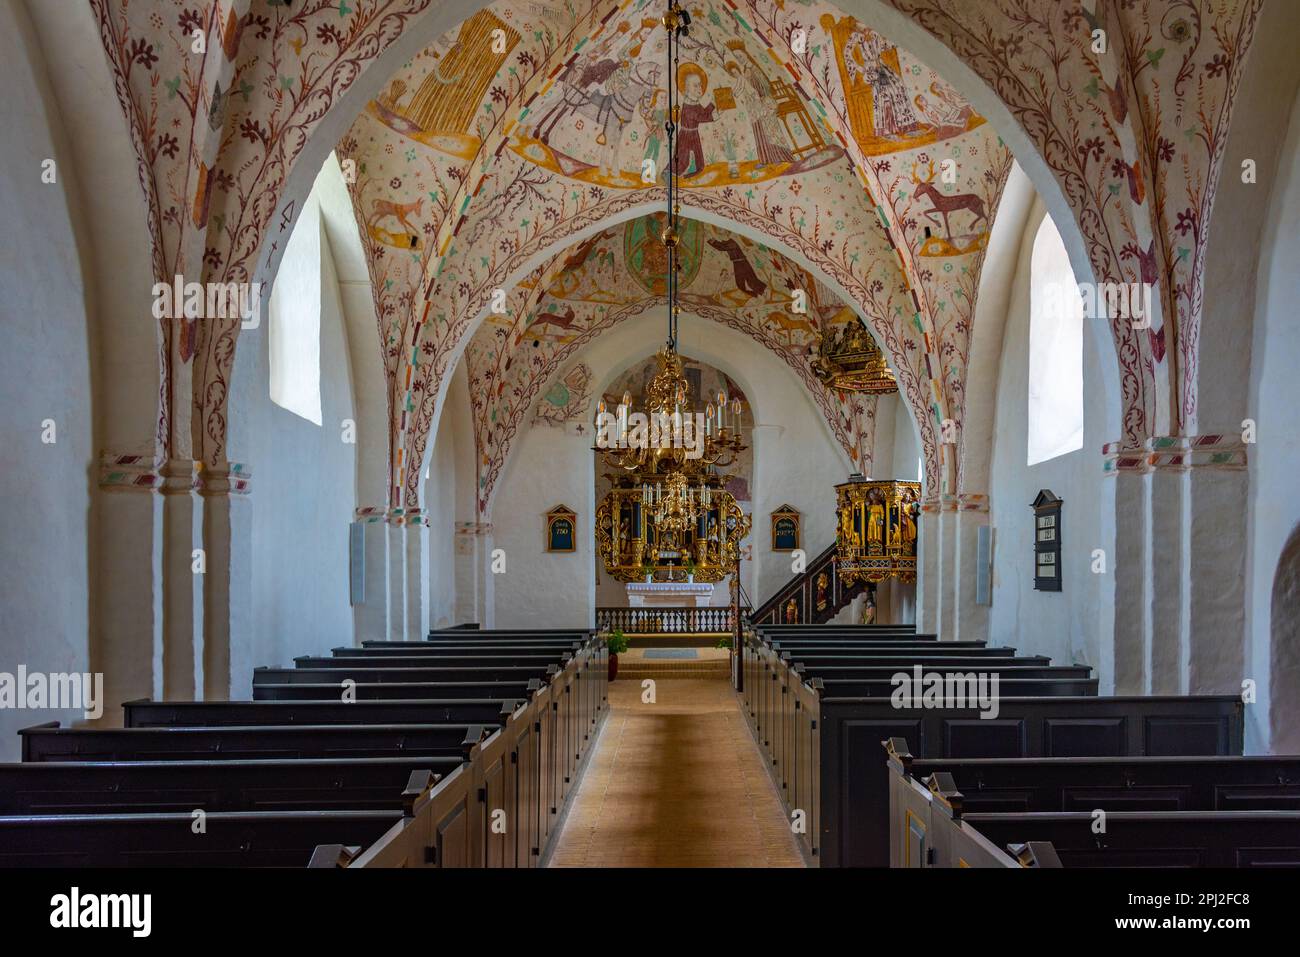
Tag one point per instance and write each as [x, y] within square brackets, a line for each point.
[1176, 453]
[130, 471]
[972, 502]
[224, 478]
[370, 514]
[416, 518]
[473, 528]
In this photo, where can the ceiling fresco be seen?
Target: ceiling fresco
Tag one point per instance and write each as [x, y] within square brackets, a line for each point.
[449, 229]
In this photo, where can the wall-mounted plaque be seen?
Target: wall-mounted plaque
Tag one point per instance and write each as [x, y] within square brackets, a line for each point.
[785, 529]
[561, 529]
[1047, 541]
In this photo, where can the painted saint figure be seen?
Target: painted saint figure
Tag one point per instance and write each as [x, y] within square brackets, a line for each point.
[876, 521]
[873, 59]
[692, 82]
[755, 92]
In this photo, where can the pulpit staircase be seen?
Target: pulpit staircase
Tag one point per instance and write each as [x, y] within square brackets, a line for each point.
[817, 594]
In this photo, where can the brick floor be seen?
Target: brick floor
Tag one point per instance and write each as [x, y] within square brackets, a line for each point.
[677, 783]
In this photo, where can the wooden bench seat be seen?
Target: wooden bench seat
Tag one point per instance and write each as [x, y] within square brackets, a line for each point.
[154, 787]
[435, 658]
[362, 691]
[888, 667]
[230, 839]
[933, 803]
[1218, 839]
[1217, 783]
[843, 751]
[49, 742]
[363, 672]
[1007, 687]
[145, 713]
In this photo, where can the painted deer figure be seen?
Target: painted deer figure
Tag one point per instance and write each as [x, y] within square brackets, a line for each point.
[789, 325]
[381, 209]
[945, 205]
[561, 321]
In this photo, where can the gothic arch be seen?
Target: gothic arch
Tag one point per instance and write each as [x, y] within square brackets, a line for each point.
[1284, 650]
[430, 385]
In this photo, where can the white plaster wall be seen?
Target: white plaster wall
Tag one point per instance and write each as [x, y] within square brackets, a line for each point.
[541, 589]
[45, 373]
[440, 501]
[796, 462]
[905, 464]
[303, 490]
[1275, 463]
[1065, 624]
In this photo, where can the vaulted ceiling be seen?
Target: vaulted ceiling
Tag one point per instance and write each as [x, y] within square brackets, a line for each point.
[519, 134]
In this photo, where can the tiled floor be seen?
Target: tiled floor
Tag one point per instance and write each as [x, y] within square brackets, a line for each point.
[677, 783]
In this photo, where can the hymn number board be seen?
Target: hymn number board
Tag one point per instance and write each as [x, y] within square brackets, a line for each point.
[1047, 541]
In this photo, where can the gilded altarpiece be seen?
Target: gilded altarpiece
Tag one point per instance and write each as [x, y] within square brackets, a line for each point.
[628, 541]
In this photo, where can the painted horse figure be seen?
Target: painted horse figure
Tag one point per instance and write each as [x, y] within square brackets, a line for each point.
[602, 90]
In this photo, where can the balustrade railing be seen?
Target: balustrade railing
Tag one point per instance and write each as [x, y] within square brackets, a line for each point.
[666, 620]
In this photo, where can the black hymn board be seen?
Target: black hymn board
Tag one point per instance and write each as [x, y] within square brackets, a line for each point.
[1047, 541]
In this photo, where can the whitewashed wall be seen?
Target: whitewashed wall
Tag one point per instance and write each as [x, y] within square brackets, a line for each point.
[303, 489]
[1061, 624]
[1274, 641]
[45, 374]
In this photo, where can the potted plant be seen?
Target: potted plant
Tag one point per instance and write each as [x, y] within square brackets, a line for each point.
[690, 567]
[649, 571]
[615, 642]
[732, 155]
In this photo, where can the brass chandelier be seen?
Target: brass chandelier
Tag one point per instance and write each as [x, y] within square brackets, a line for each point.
[666, 438]
[668, 508]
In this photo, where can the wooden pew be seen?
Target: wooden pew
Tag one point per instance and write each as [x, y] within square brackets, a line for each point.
[848, 781]
[779, 699]
[1216, 839]
[766, 695]
[156, 787]
[435, 658]
[49, 742]
[363, 672]
[145, 713]
[230, 839]
[362, 691]
[514, 771]
[929, 799]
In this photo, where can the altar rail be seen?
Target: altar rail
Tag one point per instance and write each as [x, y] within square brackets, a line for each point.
[669, 620]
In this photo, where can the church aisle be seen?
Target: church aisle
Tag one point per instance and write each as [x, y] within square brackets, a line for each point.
[678, 783]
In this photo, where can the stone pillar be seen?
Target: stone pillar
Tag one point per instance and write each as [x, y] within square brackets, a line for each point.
[1218, 487]
[228, 585]
[370, 616]
[1177, 498]
[184, 567]
[417, 575]
[947, 567]
[1128, 566]
[927, 582]
[396, 535]
[971, 618]
[474, 599]
[1166, 570]
[126, 622]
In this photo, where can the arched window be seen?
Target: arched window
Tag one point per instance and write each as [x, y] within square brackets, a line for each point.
[1055, 350]
[294, 335]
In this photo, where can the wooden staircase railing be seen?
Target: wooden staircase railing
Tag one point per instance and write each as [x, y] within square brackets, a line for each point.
[817, 595]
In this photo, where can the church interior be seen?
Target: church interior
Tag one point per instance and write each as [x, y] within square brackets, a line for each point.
[650, 433]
